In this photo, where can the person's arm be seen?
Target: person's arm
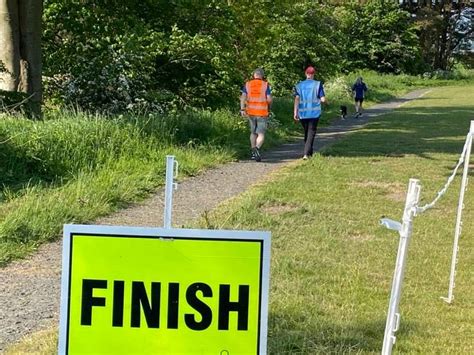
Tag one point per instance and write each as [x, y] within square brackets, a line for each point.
[269, 100]
[322, 95]
[295, 108]
[296, 104]
[269, 97]
[243, 103]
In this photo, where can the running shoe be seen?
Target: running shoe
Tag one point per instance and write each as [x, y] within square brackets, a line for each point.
[258, 157]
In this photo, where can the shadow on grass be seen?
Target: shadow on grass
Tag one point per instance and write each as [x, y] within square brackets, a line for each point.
[17, 169]
[409, 131]
[327, 338]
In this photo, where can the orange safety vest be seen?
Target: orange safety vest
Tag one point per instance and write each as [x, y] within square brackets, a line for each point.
[257, 104]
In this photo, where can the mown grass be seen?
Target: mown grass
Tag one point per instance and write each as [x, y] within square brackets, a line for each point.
[381, 88]
[332, 264]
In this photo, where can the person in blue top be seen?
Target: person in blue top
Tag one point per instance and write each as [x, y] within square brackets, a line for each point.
[309, 94]
[358, 89]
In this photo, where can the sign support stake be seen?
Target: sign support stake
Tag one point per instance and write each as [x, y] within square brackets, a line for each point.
[404, 229]
[457, 231]
[171, 174]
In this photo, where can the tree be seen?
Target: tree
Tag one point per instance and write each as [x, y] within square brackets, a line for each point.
[301, 34]
[439, 23]
[379, 36]
[20, 40]
[119, 55]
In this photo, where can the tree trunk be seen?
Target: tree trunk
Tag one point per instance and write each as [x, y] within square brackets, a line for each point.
[10, 45]
[20, 40]
[30, 50]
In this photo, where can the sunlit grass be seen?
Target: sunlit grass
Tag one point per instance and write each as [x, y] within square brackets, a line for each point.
[74, 167]
[40, 343]
[332, 263]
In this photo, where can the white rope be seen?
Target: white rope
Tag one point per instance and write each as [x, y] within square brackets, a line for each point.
[450, 180]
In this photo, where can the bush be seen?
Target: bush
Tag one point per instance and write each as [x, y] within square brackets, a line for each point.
[458, 72]
[112, 75]
[118, 57]
[338, 89]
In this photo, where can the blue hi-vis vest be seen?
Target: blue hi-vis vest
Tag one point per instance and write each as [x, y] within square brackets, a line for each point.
[310, 104]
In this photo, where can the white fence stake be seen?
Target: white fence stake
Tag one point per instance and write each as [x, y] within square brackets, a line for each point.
[404, 229]
[171, 174]
[457, 232]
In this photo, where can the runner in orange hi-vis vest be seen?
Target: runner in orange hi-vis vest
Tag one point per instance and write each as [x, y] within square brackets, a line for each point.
[255, 104]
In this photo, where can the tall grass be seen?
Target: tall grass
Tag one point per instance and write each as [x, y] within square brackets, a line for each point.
[74, 167]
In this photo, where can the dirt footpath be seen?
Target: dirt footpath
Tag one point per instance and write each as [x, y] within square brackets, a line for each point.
[30, 288]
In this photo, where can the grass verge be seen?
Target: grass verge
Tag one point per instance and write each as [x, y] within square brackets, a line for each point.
[73, 168]
[41, 343]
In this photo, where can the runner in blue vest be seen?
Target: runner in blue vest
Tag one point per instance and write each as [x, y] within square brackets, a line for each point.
[309, 94]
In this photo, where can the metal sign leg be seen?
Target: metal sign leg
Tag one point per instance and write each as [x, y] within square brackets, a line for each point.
[458, 229]
[405, 229]
[171, 174]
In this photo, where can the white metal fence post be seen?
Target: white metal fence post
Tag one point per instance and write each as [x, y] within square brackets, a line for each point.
[405, 229]
[457, 231]
[171, 174]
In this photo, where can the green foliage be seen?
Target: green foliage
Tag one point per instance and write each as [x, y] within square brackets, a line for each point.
[196, 70]
[379, 36]
[199, 60]
[338, 89]
[115, 56]
[97, 55]
[300, 34]
[163, 56]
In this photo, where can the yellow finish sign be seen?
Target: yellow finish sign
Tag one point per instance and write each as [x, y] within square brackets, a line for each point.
[163, 291]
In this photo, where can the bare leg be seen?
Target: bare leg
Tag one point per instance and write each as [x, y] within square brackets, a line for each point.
[259, 140]
[253, 140]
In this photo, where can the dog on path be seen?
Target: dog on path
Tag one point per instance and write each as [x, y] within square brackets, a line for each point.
[343, 112]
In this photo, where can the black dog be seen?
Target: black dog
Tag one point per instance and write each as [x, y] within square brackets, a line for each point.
[343, 112]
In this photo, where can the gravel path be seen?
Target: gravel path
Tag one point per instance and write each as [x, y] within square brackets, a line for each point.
[30, 288]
